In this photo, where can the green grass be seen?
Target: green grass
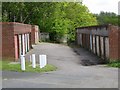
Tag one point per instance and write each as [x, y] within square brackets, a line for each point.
[0, 64]
[114, 64]
[6, 66]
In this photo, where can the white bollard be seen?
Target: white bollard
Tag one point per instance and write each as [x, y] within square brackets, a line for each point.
[23, 62]
[42, 61]
[45, 59]
[33, 61]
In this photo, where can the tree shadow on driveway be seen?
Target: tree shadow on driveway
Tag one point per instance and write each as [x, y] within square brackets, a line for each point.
[87, 58]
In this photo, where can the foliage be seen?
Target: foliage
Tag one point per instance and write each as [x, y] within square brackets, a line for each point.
[107, 18]
[6, 65]
[114, 64]
[57, 18]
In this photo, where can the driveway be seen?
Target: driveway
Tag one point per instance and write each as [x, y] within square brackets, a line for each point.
[70, 73]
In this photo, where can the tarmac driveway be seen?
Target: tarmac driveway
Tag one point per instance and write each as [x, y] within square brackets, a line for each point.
[70, 73]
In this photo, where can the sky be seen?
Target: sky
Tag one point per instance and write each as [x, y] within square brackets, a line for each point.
[95, 6]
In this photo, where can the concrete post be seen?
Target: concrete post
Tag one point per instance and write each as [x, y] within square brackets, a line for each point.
[23, 62]
[33, 61]
[42, 61]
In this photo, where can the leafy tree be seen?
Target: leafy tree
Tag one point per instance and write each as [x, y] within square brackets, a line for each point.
[107, 18]
[57, 18]
[78, 16]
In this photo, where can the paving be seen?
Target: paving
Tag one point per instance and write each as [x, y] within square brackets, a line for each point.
[70, 73]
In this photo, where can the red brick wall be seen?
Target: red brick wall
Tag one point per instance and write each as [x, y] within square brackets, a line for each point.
[8, 49]
[33, 35]
[20, 28]
[114, 42]
[119, 43]
[9, 30]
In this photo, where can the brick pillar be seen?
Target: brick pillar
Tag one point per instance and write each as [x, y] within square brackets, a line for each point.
[114, 42]
[33, 35]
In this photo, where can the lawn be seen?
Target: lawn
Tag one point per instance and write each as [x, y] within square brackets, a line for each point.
[0, 64]
[6, 65]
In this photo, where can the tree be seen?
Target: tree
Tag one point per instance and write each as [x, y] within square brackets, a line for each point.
[107, 18]
[57, 18]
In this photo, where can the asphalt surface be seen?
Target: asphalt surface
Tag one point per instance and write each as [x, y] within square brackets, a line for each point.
[70, 73]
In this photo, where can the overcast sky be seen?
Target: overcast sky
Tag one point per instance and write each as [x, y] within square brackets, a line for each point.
[95, 6]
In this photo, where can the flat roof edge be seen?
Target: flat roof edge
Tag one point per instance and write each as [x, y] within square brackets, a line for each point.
[95, 26]
[16, 23]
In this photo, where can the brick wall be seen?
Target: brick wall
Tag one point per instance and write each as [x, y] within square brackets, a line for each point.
[114, 42]
[8, 49]
[20, 28]
[119, 43]
[8, 42]
[34, 34]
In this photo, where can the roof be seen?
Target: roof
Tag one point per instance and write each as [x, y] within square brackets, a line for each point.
[96, 26]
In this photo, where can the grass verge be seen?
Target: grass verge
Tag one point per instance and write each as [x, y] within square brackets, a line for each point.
[7, 66]
[0, 65]
[114, 64]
